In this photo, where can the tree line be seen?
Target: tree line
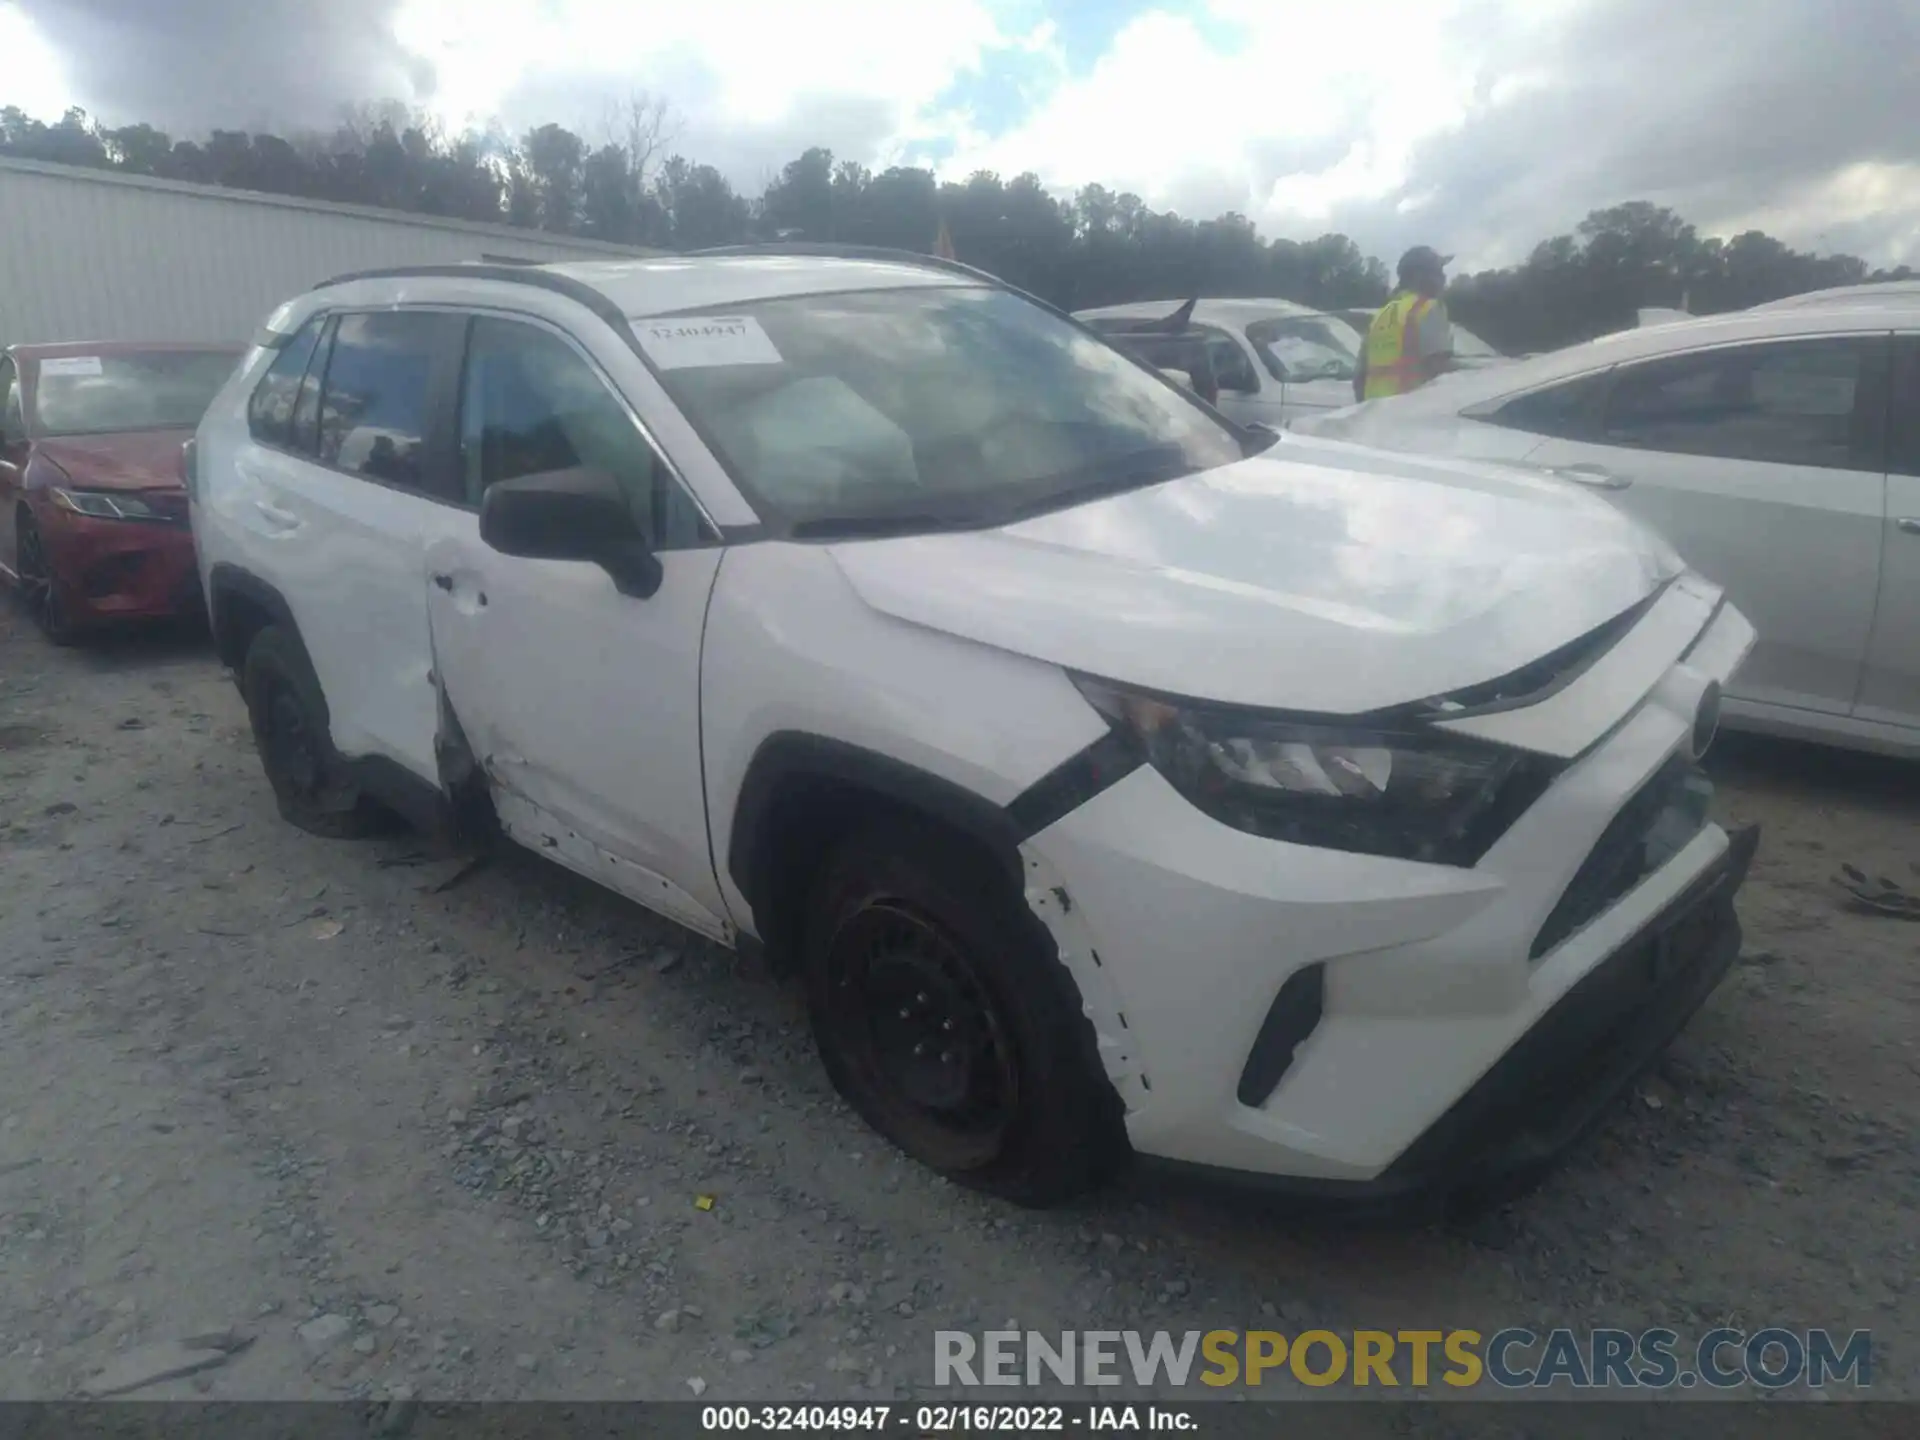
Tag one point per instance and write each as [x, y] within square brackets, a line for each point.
[627, 184]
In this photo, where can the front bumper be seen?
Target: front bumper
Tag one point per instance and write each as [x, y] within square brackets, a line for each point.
[112, 570]
[1418, 1006]
[1557, 1083]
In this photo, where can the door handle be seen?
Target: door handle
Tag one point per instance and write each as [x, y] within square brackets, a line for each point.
[1593, 476]
[1908, 525]
[274, 515]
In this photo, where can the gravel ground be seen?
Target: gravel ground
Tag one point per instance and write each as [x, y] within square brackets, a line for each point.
[293, 1100]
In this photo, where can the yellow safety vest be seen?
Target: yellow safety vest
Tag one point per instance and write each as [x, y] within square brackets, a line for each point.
[1393, 368]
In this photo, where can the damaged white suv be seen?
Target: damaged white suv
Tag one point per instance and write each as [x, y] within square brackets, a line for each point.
[1118, 781]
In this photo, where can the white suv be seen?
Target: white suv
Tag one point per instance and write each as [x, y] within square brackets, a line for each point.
[1114, 786]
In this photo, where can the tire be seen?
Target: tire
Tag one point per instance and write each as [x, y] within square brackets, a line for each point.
[38, 593]
[905, 918]
[290, 730]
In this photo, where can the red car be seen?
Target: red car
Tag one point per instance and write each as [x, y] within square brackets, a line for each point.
[93, 512]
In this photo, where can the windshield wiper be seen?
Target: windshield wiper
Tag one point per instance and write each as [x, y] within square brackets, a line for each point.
[867, 527]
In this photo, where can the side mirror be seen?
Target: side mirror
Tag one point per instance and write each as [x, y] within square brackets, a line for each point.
[576, 514]
[1256, 438]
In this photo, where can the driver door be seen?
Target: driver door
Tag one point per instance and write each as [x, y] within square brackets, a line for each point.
[582, 704]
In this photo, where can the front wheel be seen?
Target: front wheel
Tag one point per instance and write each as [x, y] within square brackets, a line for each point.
[945, 1020]
[34, 567]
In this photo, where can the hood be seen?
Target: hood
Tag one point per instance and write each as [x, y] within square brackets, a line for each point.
[138, 460]
[1317, 577]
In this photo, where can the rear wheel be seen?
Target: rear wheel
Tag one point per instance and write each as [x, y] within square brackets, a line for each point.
[946, 1021]
[289, 715]
[37, 591]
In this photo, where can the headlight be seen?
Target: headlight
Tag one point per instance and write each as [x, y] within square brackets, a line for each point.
[102, 505]
[1400, 790]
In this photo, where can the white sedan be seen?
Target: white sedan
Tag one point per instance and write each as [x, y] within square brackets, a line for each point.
[1777, 449]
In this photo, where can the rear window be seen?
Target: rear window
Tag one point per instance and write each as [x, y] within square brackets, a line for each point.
[963, 404]
[133, 390]
[271, 410]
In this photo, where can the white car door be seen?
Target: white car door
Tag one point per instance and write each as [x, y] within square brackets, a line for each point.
[360, 475]
[583, 704]
[1247, 396]
[1890, 688]
[1760, 464]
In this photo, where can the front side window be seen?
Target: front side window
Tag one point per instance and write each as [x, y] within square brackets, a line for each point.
[933, 406]
[530, 403]
[1565, 411]
[373, 405]
[1300, 348]
[1231, 368]
[128, 390]
[270, 411]
[1805, 402]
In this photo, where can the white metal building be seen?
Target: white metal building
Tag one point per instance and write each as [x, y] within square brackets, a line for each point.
[95, 255]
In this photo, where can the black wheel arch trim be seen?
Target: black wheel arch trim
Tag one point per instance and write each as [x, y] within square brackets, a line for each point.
[788, 755]
[1075, 781]
[227, 581]
[428, 807]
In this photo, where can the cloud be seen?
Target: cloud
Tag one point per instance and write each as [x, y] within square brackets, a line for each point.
[195, 64]
[1480, 126]
[1483, 126]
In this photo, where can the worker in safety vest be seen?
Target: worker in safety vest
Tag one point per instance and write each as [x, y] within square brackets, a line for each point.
[1411, 339]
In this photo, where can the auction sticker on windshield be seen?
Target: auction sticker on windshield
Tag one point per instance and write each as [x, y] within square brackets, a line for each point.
[71, 365]
[690, 340]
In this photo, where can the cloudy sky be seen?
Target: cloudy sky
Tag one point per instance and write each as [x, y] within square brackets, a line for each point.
[1479, 126]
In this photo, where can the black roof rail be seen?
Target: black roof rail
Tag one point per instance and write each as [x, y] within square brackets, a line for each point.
[512, 273]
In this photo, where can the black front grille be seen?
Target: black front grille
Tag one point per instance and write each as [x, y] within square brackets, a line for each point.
[1663, 815]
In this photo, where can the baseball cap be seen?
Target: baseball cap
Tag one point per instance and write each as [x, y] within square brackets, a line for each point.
[1423, 258]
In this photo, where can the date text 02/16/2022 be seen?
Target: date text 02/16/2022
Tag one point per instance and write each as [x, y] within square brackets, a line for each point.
[924, 1420]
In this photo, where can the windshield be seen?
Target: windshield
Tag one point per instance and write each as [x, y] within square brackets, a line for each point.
[938, 406]
[143, 390]
[1306, 347]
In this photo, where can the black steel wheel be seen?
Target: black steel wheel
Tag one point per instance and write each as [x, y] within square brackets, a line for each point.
[944, 1018]
[916, 1020]
[289, 715]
